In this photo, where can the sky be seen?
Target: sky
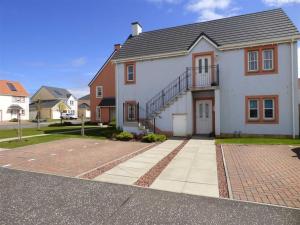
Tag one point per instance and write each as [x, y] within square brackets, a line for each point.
[63, 43]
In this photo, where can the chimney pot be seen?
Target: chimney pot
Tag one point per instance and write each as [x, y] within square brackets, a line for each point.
[136, 28]
[117, 47]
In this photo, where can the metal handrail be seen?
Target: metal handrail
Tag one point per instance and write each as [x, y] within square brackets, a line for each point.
[180, 85]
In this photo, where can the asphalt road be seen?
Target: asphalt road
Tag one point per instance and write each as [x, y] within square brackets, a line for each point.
[32, 198]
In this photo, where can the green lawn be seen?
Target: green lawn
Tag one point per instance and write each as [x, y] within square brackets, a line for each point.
[260, 141]
[43, 130]
[100, 133]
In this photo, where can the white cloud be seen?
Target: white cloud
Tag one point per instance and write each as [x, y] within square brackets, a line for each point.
[79, 61]
[278, 3]
[211, 9]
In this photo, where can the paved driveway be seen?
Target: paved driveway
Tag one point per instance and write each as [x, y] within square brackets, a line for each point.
[264, 173]
[31, 198]
[68, 157]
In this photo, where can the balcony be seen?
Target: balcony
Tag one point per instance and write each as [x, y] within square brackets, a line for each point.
[203, 77]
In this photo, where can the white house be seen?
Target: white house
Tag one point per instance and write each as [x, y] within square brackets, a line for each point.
[232, 76]
[51, 96]
[13, 99]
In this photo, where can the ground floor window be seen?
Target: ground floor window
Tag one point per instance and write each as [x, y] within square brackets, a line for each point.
[262, 109]
[131, 109]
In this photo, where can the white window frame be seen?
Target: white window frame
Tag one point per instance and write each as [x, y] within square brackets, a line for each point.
[127, 72]
[272, 59]
[249, 110]
[131, 119]
[71, 102]
[273, 109]
[251, 61]
[99, 96]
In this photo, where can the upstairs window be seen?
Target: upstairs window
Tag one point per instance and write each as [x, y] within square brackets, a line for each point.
[71, 102]
[11, 87]
[130, 73]
[99, 92]
[253, 61]
[261, 60]
[268, 59]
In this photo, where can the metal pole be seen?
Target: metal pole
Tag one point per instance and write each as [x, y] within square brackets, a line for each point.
[82, 125]
[154, 130]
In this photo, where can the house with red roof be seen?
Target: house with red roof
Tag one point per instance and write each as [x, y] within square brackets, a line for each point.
[14, 99]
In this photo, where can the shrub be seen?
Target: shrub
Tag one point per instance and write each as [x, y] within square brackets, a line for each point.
[154, 138]
[124, 136]
[14, 120]
[112, 123]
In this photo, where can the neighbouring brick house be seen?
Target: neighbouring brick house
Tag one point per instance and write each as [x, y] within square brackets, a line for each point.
[102, 92]
[84, 106]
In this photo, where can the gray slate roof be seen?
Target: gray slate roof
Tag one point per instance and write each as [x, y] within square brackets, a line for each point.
[232, 30]
[86, 97]
[44, 104]
[58, 93]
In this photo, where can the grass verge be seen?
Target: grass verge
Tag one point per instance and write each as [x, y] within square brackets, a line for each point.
[34, 131]
[101, 133]
[259, 141]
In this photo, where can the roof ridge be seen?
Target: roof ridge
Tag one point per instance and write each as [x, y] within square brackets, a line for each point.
[209, 21]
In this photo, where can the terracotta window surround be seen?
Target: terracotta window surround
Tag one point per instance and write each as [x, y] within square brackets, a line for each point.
[261, 70]
[126, 65]
[127, 104]
[261, 119]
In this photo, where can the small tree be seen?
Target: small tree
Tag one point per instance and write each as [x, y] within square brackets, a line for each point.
[61, 108]
[82, 123]
[38, 114]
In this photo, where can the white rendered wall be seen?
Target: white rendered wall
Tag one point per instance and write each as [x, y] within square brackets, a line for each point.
[153, 75]
[6, 102]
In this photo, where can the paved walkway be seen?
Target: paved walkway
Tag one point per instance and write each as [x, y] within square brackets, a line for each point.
[131, 170]
[264, 173]
[192, 171]
[31, 198]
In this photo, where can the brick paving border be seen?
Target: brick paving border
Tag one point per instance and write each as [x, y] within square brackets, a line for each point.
[222, 179]
[264, 173]
[148, 178]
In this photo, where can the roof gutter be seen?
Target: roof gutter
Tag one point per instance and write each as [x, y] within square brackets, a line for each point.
[263, 42]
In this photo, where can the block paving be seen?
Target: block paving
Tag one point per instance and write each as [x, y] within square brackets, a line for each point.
[264, 173]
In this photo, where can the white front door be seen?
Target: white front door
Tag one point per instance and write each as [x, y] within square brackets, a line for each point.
[204, 117]
[203, 71]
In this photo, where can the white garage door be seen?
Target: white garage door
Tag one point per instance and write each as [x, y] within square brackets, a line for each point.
[179, 125]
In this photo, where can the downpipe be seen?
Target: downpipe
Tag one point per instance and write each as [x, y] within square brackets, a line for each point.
[293, 88]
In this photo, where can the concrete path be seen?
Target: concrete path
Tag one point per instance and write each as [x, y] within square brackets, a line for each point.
[192, 171]
[131, 170]
[33, 198]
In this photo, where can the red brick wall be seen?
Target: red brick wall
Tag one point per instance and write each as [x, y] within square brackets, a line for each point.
[106, 79]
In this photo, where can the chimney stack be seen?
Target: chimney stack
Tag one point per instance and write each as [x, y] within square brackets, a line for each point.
[117, 47]
[136, 28]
